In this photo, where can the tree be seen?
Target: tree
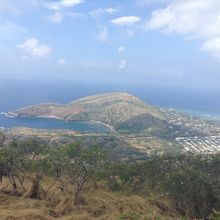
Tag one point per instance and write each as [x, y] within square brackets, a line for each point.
[20, 161]
[81, 164]
[2, 139]
[8, 160]
[2, 142]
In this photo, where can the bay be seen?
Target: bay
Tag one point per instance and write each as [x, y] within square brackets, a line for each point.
[15, 94]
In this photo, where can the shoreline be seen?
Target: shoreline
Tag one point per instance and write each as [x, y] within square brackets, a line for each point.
[108, 128]
[198, 113]
[107, 125]
[7, 115]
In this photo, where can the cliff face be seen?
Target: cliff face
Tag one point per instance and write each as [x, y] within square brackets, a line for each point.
[121, 110]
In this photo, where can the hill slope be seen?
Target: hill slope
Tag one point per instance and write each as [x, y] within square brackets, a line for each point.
[100, 205]
[120, 110]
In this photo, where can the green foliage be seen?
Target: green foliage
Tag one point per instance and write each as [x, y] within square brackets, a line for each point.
[73, 149]
[192, 192]
[118, 175]
[90, 155]
[191, 183]
[2, 139]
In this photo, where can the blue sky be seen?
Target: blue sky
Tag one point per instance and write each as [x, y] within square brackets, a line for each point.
[161, 42]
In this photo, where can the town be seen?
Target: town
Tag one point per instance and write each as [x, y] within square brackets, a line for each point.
[190, 125]
[209, 144]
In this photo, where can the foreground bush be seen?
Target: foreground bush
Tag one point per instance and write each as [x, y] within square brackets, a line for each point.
[185, 184]
[190, 182]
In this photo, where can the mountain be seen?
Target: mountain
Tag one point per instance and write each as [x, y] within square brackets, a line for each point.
[121, 111]
[133, 124]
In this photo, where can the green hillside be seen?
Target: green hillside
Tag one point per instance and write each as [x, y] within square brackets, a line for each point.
[120, 111]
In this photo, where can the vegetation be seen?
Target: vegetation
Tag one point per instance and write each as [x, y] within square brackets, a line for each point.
[119, 111]
[75, 177]
[189, 182]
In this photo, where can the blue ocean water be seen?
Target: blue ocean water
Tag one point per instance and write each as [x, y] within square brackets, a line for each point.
[15, 94]
[40, 123]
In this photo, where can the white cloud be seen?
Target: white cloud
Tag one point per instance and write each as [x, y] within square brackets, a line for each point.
[126, 20]
[33, 47]
[103, 34]
[123, 64]
[212, 46]
[121, 49]
[148, 2]
[16, 7]
[101, 11]
[7, 7]
[56, 17]
[62, 4]
[197, 19]
[52, 5]
[61, 62]
[70, 3]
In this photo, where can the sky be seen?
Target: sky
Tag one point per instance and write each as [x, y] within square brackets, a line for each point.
[141, 42]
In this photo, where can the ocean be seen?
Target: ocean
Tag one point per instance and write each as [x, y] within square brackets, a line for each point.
[15, 94]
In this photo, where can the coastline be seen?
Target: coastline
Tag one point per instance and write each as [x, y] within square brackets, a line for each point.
[13, 121]
[111, 128]
[198, 113]
[7, 115]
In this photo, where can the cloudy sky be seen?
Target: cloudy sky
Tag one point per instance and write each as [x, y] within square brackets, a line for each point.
[170, 42]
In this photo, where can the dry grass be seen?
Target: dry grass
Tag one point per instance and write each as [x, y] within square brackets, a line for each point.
[96, 203]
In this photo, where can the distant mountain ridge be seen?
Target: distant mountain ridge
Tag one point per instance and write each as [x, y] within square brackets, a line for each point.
[123, 111]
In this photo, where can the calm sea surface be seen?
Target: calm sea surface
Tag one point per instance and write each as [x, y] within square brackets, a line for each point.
[7, 122]
[17, 94]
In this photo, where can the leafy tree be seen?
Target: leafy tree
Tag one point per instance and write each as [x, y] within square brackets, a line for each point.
[2, 139]
[81, 164]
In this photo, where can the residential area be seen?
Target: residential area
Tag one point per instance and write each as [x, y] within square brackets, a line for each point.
[209, 144]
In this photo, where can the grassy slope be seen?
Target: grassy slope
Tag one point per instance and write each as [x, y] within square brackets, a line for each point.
[121, 111]
[100, 204]
[110, 108]
[97, 203]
